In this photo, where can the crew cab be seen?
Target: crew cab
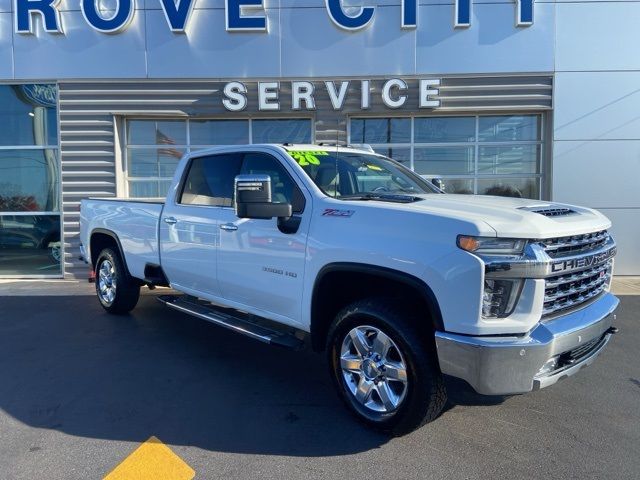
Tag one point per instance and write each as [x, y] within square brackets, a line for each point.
[352, 253]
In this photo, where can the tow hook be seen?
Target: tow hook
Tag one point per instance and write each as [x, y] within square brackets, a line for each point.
[613, 330]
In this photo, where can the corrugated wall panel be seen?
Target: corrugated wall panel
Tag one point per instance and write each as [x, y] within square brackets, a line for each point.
[88, 141]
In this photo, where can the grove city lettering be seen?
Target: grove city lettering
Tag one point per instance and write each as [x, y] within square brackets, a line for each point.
[240, 15]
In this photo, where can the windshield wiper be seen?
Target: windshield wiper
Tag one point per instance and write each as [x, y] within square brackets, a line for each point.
[384, 197]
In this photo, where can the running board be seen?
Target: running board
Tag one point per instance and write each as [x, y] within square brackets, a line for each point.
[245, 324]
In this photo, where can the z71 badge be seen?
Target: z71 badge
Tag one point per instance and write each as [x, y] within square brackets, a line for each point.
[334, 212]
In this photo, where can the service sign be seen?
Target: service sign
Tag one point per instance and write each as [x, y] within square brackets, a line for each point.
[240, 15]
[302, 95]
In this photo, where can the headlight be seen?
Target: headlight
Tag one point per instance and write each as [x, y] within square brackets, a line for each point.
[491, 245]
[499, 297]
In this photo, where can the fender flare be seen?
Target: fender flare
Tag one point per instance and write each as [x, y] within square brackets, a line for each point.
[419, 285]
[113, 235]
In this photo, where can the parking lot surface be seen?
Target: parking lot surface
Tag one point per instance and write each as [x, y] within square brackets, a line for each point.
[80, 390]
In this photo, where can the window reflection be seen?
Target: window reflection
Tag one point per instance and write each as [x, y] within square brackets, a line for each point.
[281, 131]
[218, 132]
[510, 187]
[28, 114]
[29, 181]
[30, 245]
[160, 132]
[489, 154]
[380, 130]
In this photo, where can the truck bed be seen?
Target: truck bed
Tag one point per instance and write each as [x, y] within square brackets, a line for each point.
[134, 222]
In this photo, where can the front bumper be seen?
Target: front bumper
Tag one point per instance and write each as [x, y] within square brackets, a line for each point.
[512, 364]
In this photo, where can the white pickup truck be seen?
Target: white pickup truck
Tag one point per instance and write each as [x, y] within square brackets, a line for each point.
[362, 258]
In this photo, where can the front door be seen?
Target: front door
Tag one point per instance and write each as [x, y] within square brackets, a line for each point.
[260, 266]
[189, 227]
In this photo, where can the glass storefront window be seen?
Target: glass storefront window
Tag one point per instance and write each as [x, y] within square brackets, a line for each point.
[149, 188]
[445, 129]
[459, 185]
[482, 154]
[218, 132]
[147, 162]
[30, 220]
[509, 187]
[509, 128]
[444, 160]
[281, 131]
[160, 132]
[380, 130]
[29, 115]
[513, 159]
[29, 181]
[30, 245]
[399, 154]
[154, 147]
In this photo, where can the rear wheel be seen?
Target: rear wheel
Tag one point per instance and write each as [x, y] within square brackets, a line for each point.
[384, 367]
[117, 291]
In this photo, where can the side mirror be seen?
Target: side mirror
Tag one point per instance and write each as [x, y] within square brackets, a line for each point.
[438, 182]
[253, 198]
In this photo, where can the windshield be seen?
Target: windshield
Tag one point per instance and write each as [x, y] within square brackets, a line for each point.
[352, 174]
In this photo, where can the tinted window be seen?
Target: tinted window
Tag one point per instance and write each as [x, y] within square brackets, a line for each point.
[210, 180]
[283, 188]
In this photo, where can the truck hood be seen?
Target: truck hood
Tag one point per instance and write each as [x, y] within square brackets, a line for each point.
[515, 217]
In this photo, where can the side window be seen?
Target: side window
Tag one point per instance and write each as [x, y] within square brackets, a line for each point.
[283, 188]
[210, 180]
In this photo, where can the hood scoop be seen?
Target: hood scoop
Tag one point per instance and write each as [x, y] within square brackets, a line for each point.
[549, 210]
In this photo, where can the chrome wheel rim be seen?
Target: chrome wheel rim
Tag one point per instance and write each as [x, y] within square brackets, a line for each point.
[107, 282]
[55, 252]
[374, 369]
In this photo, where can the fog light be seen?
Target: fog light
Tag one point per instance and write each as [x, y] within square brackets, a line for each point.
[499, 297]
[549, 366]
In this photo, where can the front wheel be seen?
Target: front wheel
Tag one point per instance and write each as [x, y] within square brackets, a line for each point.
[117, 291]
[385, 367]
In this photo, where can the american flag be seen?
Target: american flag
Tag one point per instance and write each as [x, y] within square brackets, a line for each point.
[162, 139]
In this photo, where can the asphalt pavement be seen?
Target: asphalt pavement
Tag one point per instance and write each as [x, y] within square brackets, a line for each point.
[80, 390]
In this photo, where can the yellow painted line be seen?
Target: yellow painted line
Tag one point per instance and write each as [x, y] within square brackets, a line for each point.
[152, 460]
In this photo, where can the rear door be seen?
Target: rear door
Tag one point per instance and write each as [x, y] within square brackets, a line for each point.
[189, 227]
[260, 264]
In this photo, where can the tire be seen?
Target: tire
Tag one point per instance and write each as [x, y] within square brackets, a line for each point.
[391, 405]
[117, 291]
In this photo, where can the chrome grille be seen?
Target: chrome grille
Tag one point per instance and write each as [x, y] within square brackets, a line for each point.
[569, 291]
[575, 244]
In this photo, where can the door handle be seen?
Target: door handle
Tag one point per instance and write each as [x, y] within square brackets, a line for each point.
[229, 227]
[170, 220]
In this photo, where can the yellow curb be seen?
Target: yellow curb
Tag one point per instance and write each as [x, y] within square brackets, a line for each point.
[152, 460]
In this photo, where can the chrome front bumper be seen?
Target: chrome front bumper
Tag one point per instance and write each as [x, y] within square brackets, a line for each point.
[510, 364]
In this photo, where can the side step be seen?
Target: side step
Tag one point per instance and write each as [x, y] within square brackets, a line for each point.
[239, 322]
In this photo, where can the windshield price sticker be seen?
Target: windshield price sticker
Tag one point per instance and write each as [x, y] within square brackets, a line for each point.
[305, 158]
[374, 167]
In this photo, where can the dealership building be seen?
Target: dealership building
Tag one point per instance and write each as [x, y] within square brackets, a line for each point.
[522, 98]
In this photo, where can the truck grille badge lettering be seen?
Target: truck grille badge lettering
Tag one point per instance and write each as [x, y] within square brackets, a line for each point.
[583, 262]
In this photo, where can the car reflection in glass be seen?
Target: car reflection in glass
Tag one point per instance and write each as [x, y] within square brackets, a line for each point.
[30, 244]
